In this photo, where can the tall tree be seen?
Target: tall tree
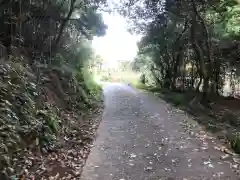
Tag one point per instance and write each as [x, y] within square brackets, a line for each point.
[196, 32]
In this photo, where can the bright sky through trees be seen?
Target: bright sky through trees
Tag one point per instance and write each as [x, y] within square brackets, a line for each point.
[118, 43]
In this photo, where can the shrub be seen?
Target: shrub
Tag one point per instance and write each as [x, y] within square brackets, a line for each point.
[143, 79]
[235, 143]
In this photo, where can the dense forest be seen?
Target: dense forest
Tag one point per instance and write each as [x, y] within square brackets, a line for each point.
[47, 88]
[46, 63]
[188, 44]
[191, 48]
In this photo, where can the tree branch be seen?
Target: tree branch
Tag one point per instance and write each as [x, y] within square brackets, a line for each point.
[206, 34]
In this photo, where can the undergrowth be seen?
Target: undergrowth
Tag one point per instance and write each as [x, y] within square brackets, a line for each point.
[32, 100]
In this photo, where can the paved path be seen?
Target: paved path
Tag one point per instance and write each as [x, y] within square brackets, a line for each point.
[142, 138]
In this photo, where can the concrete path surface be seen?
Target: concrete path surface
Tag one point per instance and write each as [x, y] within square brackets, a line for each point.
[144, 138]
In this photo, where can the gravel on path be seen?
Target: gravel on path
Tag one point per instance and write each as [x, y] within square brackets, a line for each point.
[144, 138]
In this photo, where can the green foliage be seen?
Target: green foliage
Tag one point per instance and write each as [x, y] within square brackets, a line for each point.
[185, 41]
[235, 143]
[141, 86]
[142, 62]
[50, 128]
[95, 65]
[143, 79]
[29, 118]
[20, 125]
[105, 78]
[59, 60]
[49, 120]
[124, 66]
[178, 99]
[50, 27]
[191, 45]
[46, 74]
[94, 89]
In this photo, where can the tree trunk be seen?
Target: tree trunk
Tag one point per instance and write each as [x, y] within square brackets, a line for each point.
[177, 60]
[208, 74]
[205, 89]
[232, 84]
[217, 77]
[200, 58]
[192, 76]
[199, 84]
[156, 78]
[63, 25]
[185, 82]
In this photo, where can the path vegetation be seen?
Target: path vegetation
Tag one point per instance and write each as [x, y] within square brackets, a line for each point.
[191, 48]
[189, 53]
[49, 101]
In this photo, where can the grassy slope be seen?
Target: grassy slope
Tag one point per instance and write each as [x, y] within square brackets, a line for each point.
[46, 115]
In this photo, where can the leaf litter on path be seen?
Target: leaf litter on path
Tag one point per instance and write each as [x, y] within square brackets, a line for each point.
[65, 162]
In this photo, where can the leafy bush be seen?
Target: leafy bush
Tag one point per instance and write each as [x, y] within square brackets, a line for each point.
[105, 78]
[141, 86]
[93, 87]
[235, 143]
[23, 125]
[178, 99]
[142, 79]
[86, 79]
[30, 115]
